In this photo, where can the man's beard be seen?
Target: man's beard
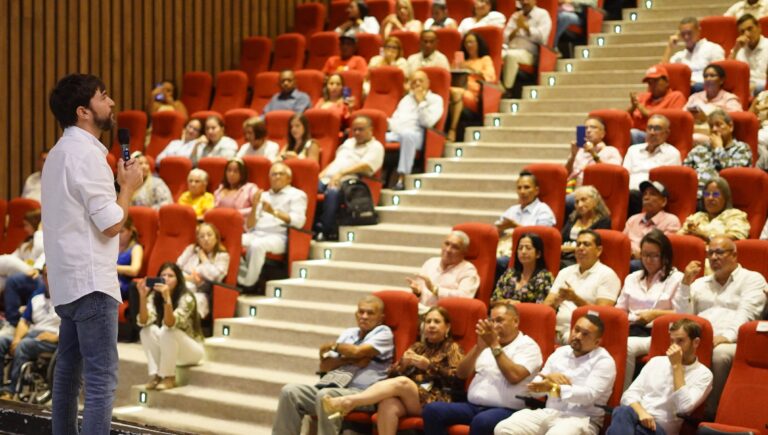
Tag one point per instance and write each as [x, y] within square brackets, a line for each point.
[104, 123]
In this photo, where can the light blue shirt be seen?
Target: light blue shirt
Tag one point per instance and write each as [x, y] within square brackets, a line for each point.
[381, 339]
[535, 213]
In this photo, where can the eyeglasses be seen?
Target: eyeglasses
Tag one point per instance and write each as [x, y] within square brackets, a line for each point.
[650, 127]
[393, 47]
[711, 195]
[277, 174]
[718, 252]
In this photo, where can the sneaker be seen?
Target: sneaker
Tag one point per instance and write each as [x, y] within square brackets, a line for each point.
[153, 383]
[7, 330]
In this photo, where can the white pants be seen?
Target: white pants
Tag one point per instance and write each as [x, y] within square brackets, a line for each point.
[257, 245]
[636, 347]
[513, 57]
[166, 347]
[722, 358]
[544, 421]
[410, 143]
[9, 265]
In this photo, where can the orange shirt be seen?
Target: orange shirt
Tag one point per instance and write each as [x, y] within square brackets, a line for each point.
[336, 64]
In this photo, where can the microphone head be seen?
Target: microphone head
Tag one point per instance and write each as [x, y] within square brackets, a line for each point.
[123, 136]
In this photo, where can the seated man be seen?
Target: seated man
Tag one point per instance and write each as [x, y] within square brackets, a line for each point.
[588, 282]
[361, 154]
[37, 332]
[643, 157]
[503, 361]
[728, 298]
[347, 59]
[659, 96]
[697, 54]
[653, 216]
[357, 359]
[19, 288]
[758, 8]
[289, 98]
[577, 378]
[752, 48]
[428, 55]
[446, 276]
[526, 29]
[419, 110]
[668, 385]
[267, 223]
[723, 151]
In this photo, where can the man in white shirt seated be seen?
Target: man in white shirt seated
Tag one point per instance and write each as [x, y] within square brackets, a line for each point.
[525, 30]
[588, 282]
[577, 378]
[267, 224]
[429, 55]
[758, 8]
[32, 183]
[728, 298]
[361, 154]
[752, 48]
[484, 14]
[503, 361]
[419, 110]
[697, 54]
[676, 383]
[446, 276]
[643, 157]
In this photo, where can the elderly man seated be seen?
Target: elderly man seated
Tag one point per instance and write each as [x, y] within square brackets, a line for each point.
[526, 29]
[653, 216]
[697, 53]
[289, 98]
[588, 282]
[503, 361]
[428, 55]
[276, 209]
[356, 360]
[577, 379]
[668, 385]
[419, 110]
[446, 276]
[658, 96]
[751, 47]
[728, 298]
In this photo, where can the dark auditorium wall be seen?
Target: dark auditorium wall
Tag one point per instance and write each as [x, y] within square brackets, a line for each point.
[131, 44]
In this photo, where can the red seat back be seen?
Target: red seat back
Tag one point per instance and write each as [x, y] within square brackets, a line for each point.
[145, 219]
[167, 125]
[337, 13]
[368, 45]
[267, 84]
[737, 80]
[196, 90]
[660, 341]
[309, 18]
[680, 129]
[538, 322]
[174, 171]
[305, 176]
[277, 125]
[685, 249]
[215, 167]
[720, 30]
[401, 314]
[552, 178]
[682, 184]
[258, 170]
[409, 41]
[3, 211]
[324, 126]
[460, 9]
[379, 119]
[764, 26]
[14, 232]
[612, 181]
[679, 78]
[749, 189]
[616, 252]
[321, 46]
[289, 52]
[422, 9]
[617, 126]
[354, 81]
[506, 7]
[255, 53]
[483, 239]
[440, 84]
[310, 81]
[745, 128]
[136, 123]
[380, 8]
[553, 242]
[229, 222]
[753, 255]
[448, 42]
[233, 123]
[386, 89]
[176, 231]
[464, 316]
[494, 37]
[231, 91]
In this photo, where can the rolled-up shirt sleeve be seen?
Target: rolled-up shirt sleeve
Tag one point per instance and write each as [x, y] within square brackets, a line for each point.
[690, 396]
[599, 381]
[298, 210]
[93, 182]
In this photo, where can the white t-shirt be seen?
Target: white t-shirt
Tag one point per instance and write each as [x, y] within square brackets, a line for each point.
[494, 18]
[350, 154]
[268, 149]
[597, 282]
[704, 53]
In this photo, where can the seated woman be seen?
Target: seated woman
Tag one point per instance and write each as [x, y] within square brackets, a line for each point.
[701, 104]
[235, 191]
[196, 195]
[170, 327]
[333, 98]
[590, 213]
[191, 136]
[129, 257]
[164, 96]
[256, 142]
[402, 19]
[202, 262]
[300, 143]
[528, 280]
[718, 217]
[480, 66]
[153, 192]
[649, 293]
[358, 20]
[392, 55]
[426, 373]
[215, 143]
[23, 258]
[440, 18]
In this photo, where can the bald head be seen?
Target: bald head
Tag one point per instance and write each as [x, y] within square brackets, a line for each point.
[723, 260]
[419, 82]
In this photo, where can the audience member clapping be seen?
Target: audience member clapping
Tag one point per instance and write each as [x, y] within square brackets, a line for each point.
[216, 144]
[484, 14]
[289, 98]
[590, 213]
[153, 191]
[426, 373]
[718, 217]
[440, 18]
[235, 191]
[757, 8]
[32, 183]
[650, 292]
[402, 19]
[347, 60]
[358, 20]
[658, 96]
[697, 53]
[751, 48]
[164, 96]
[428, 54]
[130, 256]
[171, 333]
[528, 280]
[196, 195]
[525, 31]
[334, 99]
[191, 136]
[653, 217]
[256, 142]
[702, 104]
[478, 62]
[202, 263]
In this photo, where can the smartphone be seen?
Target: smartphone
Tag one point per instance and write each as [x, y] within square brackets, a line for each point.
[151, 281]
[346, 92]
[159, 98]
[581, 135]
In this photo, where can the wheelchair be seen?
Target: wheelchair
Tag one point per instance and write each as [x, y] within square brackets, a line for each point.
[35, 383]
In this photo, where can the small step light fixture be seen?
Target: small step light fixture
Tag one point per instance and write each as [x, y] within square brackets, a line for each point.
[551, 81]
[649, 4]
[395, 201]
[568, 67]
[534, 94]
[350, 236]
[600, 41]
[497, 122]
[617, 28]
[225, 330]
[514, 107]
[476, 135]
[303, 273]
[278, 292]
[327, 254]
[585, 53]
[633, 16]
[438, 168]
[143, 397]
[458, 152]
[417, 183]
[252, 311]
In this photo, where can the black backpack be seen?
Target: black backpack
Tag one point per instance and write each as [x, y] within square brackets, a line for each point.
[356, 204]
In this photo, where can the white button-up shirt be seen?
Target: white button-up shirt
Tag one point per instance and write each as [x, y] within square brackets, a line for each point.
[704, 53]
[597, 282]
[417, 61]
[494, 18]
[637, 296]
[727, 306]
[413, 116]
[758, 10]
[757, 58]
[288, 200]
[539, 27]
[654, 389]
[490, 388]
[639, 162]
[535, 213]
[350, 154]
[79, 202]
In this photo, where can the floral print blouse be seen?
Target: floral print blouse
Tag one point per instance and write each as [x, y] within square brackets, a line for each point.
[439, 380]
[534, 291]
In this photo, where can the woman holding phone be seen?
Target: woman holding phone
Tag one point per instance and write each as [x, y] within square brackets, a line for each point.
[334, 97]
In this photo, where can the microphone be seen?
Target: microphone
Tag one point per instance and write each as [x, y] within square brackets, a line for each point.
[124, 137]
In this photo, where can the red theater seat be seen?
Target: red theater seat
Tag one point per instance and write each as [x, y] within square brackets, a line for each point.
[749, 189]
[231, 91]
[538, 322]
[660, 341]
[448, 42]
[233, 123]
[354, 81]
[324, 127]
[321, 46]
[167, 125]
[401, 315]
[309, 18]
[464, 316]
[552, 179]
[753, 255]
[136, 123]
[229, 222]
[174, 171]
[288, 53]
[267, 85]
[380, 8]
[460, 9]
[680, 129]
[255, 53]
[310, 81]
[15, 232]
[176, 230]
[368, 45]
[612, 181]
[215, 167]
[258, 170]
[737, 80]
[617, 126]
[386, 89]
[616, 252]
[483, 239]
[146, 221]
[277, 125]
[685, 249]
[745, 128]
[720, 30]
[679, 78]
[196, 90]
[409, 41]
[682, 184]
[494, 37]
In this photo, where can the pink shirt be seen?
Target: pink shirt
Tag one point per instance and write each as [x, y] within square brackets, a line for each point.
[606, 153]
[723, 100]
[241, 200]
[637, 226]
[459, 281]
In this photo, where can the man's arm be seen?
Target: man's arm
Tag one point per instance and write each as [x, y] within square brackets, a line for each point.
[599, 381]
[129, 178]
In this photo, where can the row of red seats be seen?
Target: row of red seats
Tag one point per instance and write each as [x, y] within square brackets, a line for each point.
[13, 233]
[724, 30]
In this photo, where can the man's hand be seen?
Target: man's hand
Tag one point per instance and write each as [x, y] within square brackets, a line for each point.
[633, 100]
[567, 293]
[675, 355]
[718, 340]
[267, 207]
[427, 282]
[256, 198]
[129, 175]
[692, 270]
[646, 420]
[589, 147]
[741, 42]
[33, 273]
[415, 285]
[486, 334]
[521, 20]
[645, 317]
[335, 181]
[674, 39]
[419, 93]
[49, 337]
[558, 378]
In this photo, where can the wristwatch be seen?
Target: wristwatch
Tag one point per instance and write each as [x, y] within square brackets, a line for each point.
[496, 351]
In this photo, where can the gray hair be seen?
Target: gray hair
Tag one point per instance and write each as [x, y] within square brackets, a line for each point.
[374, 300]
[284, 166]
[199, 173]
[690, 20]
[600, 208]
[722, 114]
[662, 117]
[462, 236]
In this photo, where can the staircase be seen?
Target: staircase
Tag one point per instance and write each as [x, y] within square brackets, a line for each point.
[276, 339]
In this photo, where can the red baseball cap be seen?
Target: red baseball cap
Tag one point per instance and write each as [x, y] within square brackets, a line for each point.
[656, 72]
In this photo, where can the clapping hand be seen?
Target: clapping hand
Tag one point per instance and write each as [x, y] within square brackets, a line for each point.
[486, 334]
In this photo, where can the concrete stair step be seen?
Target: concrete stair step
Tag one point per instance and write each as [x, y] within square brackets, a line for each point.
[577, 106]
[429, 216]
[468, 165]
[582, 91]
[724, 4]
[368, 253]
[132, 369]
[512, 151]
[270, 356]
[268, 331]
[462, 182]
[385, 234]
[579, 64]
[188, 422]
[438, 199]
[617, 53]
[336, 292]
[608, 78]
[385, 275]
[245, 379]
[679, 11]
[520, 134]
[610, 38]
[647, 25]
